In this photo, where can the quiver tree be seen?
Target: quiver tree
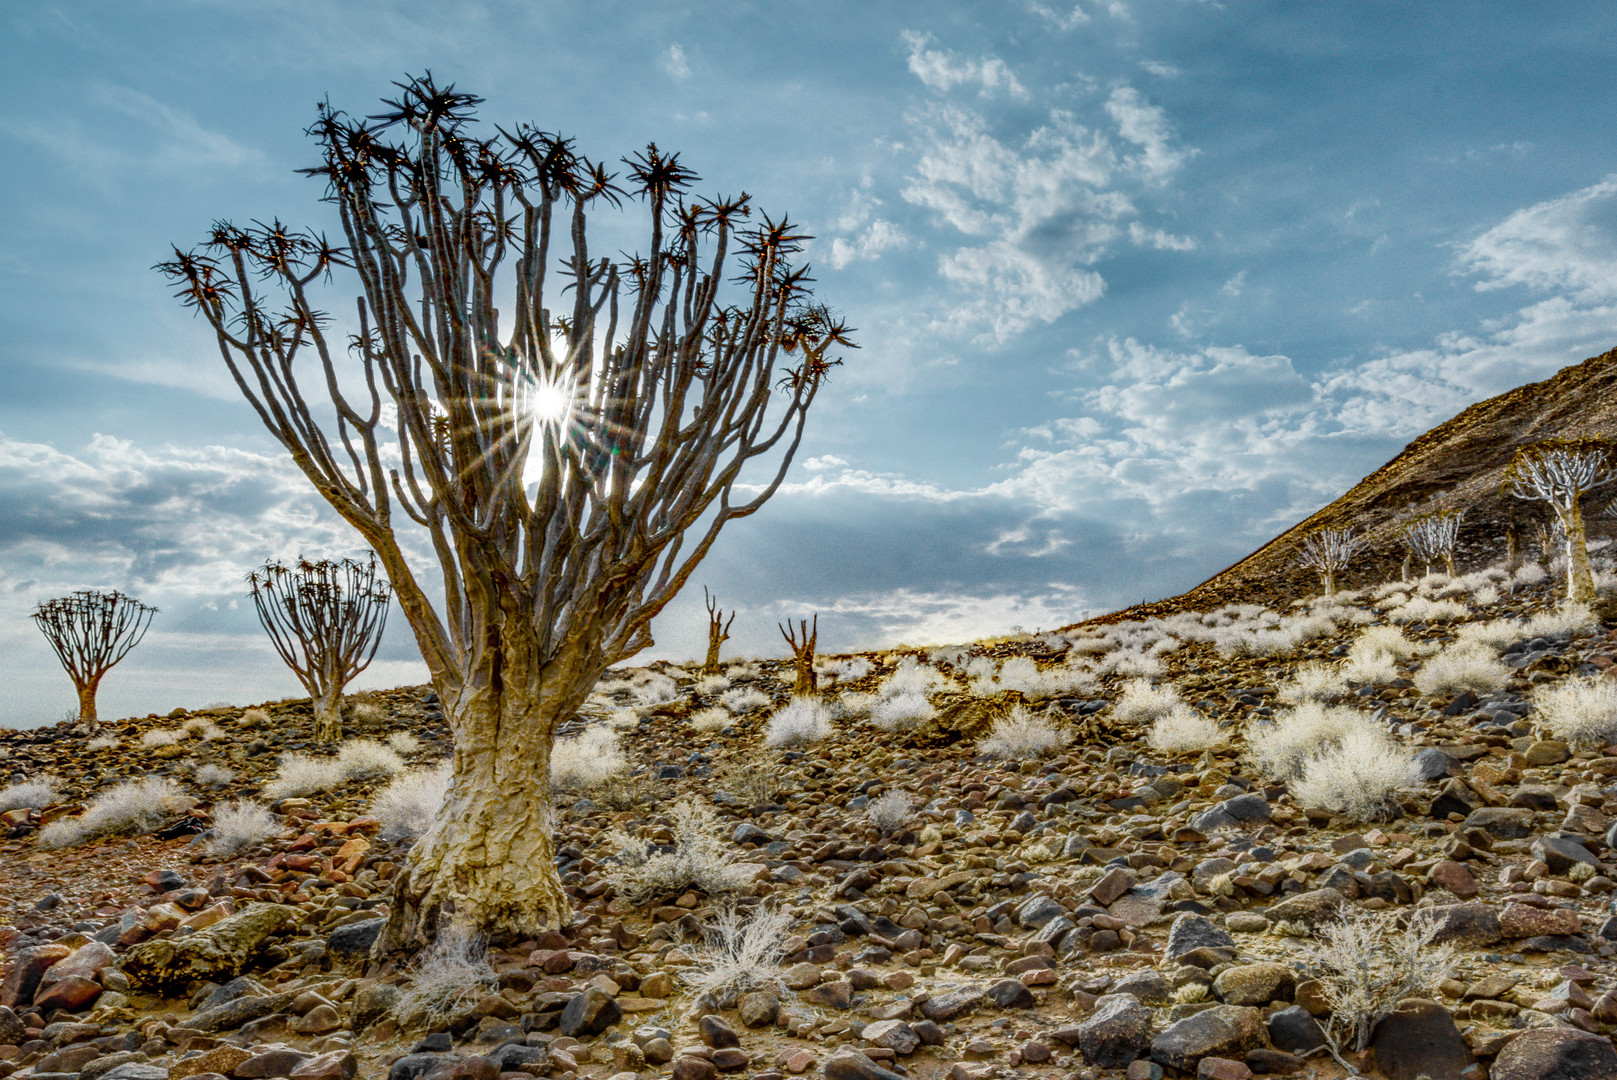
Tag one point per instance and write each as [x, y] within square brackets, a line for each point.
[570, 466]
[1431, 537]
[1560, 472]
[90, 632]
[1328, 552]
[718, 631]
[325, 619]
[803, 652]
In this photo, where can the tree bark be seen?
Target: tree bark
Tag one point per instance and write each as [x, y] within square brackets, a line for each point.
[807, 678]
[1512, 554]
[1403, 571]
[711, 665]
[1330, 581]
[1580, 578]
[1448, 563]
[328, 715]
[87, 701]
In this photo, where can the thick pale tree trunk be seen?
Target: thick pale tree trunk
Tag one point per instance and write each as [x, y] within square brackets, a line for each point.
[1330, 581]
[87, 701]
[1512, 552]
[1403, 571]
[711, 665]
[328, 715]
[1580, 585]
[807, 678]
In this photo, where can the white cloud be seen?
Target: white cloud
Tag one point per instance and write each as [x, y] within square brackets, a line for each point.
[1062, 18]
[934, 617]
[1160, 68]
[943, 70]
[1147, 127]
[1562, 244]
[674, 62]
[1140, 236]
[864, 236]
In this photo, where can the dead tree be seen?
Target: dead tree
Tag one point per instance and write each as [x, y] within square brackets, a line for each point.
[1560, 472]
[1328, 552]
[718, 631]
[803, 653]
[325, 619]
[91, 631]
[1432, 536]
[570, 467]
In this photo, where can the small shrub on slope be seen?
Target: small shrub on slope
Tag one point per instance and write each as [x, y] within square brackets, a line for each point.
[744, 699]
[740, 957]
[801, 721]
[712, 684]
[890, 811]
[405, 807]
[212, 775]
[1459, 668]
[1313, 682]
[1183, 730]
[447, 978]
[29, 794]
[1280, 748]
[1141, 702]
[303, 774]
[1022, 736]
[367, 759]
[1359, 778]
[716, 718]
[1367, 965]
[159, 737]
[586, 759]
[1578, 711]
[239, 825]
[403, 743]
[902, 712]
[700, 859]
[129, 809]
[1420, 609]
[1568, 618]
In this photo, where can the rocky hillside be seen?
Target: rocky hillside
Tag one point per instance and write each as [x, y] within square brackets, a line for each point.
[1188, 846]
[1456, 465]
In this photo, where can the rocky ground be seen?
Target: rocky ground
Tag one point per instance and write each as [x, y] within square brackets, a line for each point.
[1108, 910]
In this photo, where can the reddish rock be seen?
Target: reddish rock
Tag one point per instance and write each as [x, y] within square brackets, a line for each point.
[1217, 1068]
[22, 980]
[1454, 877]
[1524, 921]
[1556, 1054]
[335, 1065]
[72, 993]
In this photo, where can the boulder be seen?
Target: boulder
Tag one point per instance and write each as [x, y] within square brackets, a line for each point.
[354, 940]
[215, 954]
[29, 966]
[1418, 1038]
[590, 1013]
[1255, 984]
[1472, 924]
[1556, 1053]
[1501, 822]
[1222, 1031]
[1294, 1030]
[1117, 1032]
[1232, 813]
[1191, 932]
[1312, 909]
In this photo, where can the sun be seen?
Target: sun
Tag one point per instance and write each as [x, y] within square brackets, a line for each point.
[552, 403]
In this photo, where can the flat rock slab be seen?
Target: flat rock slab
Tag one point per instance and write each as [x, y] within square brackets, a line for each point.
[1556, 1054]
[1222, 1031]
[216, 953]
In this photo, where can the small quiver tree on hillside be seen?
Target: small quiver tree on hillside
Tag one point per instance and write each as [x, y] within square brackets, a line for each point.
[91, 631]
[325, 619]
[1328, 552]
[803, 652]
[1431, 538]
[570, 467]
[718, 631]
[1560, 472]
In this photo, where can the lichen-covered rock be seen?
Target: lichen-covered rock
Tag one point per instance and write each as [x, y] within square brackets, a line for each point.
[1223, 1030]
[218, 952]
[1556, 1054]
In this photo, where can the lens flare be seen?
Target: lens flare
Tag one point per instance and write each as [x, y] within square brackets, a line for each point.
[551, 403]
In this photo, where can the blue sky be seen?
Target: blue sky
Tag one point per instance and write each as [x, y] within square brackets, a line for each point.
[1138, 284]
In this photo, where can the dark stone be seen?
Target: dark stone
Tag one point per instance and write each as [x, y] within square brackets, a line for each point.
[1473, 924]
[1556, 1053]
[1433, 764]
[1232, 813]
[590, 1013]
[1418, 1038]
[1191, 932]
[716, 1033]
[952, 1004]
[1454, 797]
[1501, 822]
[837, 994]
[691, 1067]
[29, 966]
[277, 1062]
[73, 993]
[475, 1067]
[1037, 910]
[1011, 994]
[1222, 1031]
[1295, 1030]
[513, 1055]
[852, 1065]
[439, 1042]
[355, 939]
[1117, 1032]
[1561, 853]
[372, 1003]
[930, 1033]
[1267, 1062]
[233, 1015]
[11, 1027]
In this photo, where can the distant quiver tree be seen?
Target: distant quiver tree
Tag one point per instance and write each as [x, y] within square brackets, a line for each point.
[325, 618]
[1328, 552]
[718, 631]
[570, 465]
[1560, 472]
[90, 632]
[1431, 538]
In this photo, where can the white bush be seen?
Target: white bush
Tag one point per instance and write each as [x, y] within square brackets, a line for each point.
[1580, 710]
[406, 806]
[1183, 730]
[1360, 778]
[298, 775]
[700, 859]
[1493, 634]
[709, 720]
[211, 775]
[1280, 747]
[251, 718]
[1420, 609]
[1130, 662]
[129, 809]
[239, 825]
[855, 667]
[201, 728]
[1530, 573]
[448, 977]
[1568, 618]
[740, 957]
[591, 757]
[1459, 668]
[902, 712]
[1313, 682]
[912, 677]
[1367, 965]
[712, 684]
[159, 737]
[1141, 702]
[101, 742]
[28, 794]
[800, 721]
[1021, 736]
[403, 743]
[653, 688]
[890, 811]
[744, 699]
[367, 759]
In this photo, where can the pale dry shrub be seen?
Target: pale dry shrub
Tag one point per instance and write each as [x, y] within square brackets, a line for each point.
[239, 825]
[1130, 662]
[891, 810]
[29, 794]
[1420, 609]
[754, 782]
[1021, 736]
[1530, 573]
[586, 759]
[902, 712]
[159, 737]
[800, 721]
[653, 688]
[1359, 778]
[403, 743]
[406, 806]
[1370, 668]
[912, 677]
[102, 742]
[1387, 639]
[1313, 682]
[1280, 747]
[1493, 634]
[297, 775]
[1462, 667]
[253, 718]
[1367, 965]
[446, 979]
[201, 728]
[855, 667]
[1580, 710]
[212, 775]
[128, 809]
[744, 699]
[1183, 730]
[1568, 618]
[1485, 596]
[740, 957]
[1141, 702]
[743, 669]
[700, 859]
[712, 684]
[367, 759]
[716, 718]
